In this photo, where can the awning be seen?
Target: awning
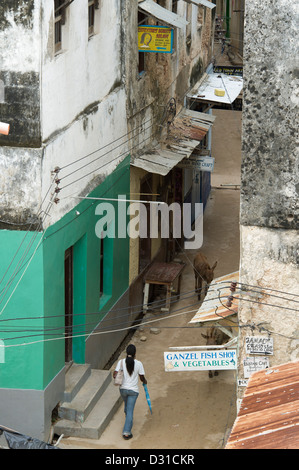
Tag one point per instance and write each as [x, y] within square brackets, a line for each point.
[204, 3]
[230, 86]
[162, 14]
[186, 131]
[214, 306]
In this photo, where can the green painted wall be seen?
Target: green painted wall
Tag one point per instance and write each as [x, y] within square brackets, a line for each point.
[23, 364]
[41, 291]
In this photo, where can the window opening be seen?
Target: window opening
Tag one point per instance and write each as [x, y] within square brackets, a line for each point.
[93, 5]
[59, 21]
[141, 55]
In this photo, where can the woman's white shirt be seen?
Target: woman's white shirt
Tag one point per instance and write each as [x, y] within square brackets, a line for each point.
[130, 382]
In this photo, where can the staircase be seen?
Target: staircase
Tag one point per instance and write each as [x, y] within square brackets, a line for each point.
[90, 401]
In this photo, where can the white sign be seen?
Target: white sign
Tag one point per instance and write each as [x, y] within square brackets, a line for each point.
[198, 163]
[259, 345]
[242, 382]
[254, 364]
[200, 360]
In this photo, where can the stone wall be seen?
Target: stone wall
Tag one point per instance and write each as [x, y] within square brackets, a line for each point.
[269, 180]
[270, 171]
[19, 73]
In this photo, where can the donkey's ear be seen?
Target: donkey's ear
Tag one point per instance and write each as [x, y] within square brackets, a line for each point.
[214, 266]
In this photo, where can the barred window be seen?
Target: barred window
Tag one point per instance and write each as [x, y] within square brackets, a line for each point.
[59, 21]
[93, 5]
[91, 14]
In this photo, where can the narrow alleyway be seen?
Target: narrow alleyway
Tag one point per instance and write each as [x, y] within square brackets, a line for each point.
[190, 410]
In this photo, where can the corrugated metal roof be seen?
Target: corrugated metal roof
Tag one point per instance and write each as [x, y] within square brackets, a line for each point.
[269, 413]
[188, 128]
[213, 309]
[162, 14]
[157, 161]
[232, 86]
[204, 3]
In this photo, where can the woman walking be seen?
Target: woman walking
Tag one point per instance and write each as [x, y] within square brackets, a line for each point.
[129, 390]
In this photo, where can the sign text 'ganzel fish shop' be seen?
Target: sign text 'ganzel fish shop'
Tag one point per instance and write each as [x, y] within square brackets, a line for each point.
[200, 360]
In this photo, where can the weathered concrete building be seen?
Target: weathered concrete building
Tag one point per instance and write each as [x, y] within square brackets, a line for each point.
[83, 103]
[155, 95]
[64, 97]
[270, 175]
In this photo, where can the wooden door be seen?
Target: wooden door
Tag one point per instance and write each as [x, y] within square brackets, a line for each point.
[68, 295]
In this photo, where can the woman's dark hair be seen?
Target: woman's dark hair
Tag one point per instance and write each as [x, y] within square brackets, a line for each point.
[131, 351]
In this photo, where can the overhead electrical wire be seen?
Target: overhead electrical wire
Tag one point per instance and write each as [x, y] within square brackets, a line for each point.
[29, 245]
[105, 165]
[101, 329]
[95, 332]
[158, 303]
[110, 143]
[22, 275]
[36, 231]
[102, 166]
[28, 230]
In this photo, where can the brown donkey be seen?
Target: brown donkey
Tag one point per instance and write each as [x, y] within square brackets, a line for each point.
[202, 272]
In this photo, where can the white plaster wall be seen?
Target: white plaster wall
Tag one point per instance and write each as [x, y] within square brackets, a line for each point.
[20, 168]
[83, 101]
[20, 177]
[85, 137]
[20, 47]
[85, 70]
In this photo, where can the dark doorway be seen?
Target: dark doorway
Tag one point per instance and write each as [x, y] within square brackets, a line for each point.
[145, 243]
[68, 296]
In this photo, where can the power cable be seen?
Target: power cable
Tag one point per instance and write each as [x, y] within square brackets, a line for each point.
[31, 258]
[16, 270]
[100, 328]
[39, 211]
[105, 164]
[156, 304]
[105, 146]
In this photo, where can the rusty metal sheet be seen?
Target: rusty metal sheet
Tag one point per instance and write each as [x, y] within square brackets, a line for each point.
[212, 309]
[164, 273]
[231, 84]
[188, 128]
[269, 413]
[157, 161]
[191, 124]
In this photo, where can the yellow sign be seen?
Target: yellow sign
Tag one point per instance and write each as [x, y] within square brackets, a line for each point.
[155, 39]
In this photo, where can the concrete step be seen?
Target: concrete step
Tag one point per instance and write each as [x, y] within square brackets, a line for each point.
[85, 399]
[97, 420]
[75, 377]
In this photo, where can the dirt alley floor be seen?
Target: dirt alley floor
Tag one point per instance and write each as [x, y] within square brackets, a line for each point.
[190, 410]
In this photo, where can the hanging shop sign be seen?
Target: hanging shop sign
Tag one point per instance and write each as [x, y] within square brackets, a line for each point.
[254, 364]
[198, 163]
[228, 69]
[155, 39]
[259, 345]
[200, 360]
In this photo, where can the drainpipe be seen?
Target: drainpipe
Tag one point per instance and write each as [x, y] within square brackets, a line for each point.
[227, 18]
